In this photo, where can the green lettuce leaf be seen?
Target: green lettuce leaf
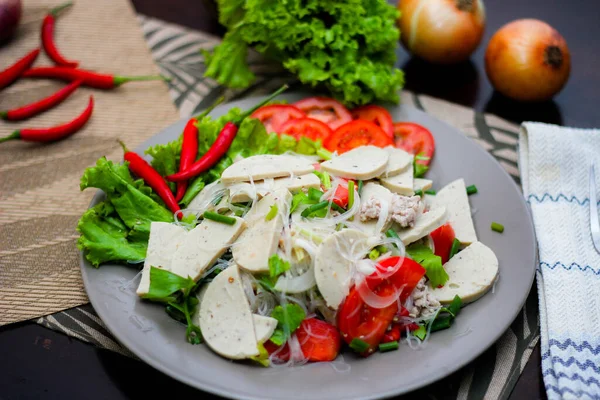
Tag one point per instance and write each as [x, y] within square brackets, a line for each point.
[435, 272]
[165, 158]
[347, 47]
[134, 207]
[289, 318]
[104, 237]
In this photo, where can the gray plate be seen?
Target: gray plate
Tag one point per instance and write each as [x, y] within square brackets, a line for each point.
[160, 341]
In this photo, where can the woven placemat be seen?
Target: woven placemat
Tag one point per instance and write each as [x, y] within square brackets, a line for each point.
[40, 201]
[176, 51]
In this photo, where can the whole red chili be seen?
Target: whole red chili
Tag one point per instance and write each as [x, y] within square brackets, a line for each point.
[88, 78]
[221, 144]
[13, 72]
[48, 37]
[33, 109]
[142, 169]
[189, 147]
[56, 132]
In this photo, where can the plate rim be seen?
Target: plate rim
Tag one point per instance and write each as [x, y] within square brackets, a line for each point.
[229, 393]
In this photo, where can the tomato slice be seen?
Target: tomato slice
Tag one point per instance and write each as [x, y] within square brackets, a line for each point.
[357, 133]
[308, 127]
[326, 110]
[357, 320]
[274, 116]
[319, 341]
[442, 241]
[376, 114]
[415, 139]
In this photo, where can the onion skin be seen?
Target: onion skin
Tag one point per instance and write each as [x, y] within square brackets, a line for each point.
[528, 60]
[441, 31]
[10, 15]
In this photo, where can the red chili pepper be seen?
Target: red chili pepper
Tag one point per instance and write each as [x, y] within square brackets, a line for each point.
[142, 169]
[56, 132]
[48, 37]
[189, 148]
[221, 144]
[89, 78]
[11, 74]
[33, 109]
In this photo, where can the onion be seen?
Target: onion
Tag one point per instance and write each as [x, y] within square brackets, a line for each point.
[10, 15]
[441, 31]
[528, 60]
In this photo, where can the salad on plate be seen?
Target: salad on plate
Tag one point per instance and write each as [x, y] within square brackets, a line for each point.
[299, 229]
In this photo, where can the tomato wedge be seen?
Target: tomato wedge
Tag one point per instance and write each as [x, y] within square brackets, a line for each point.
[357, 133]
[326, 110]
[274, 116]
[442, 241]
[376, 114]
[308, 127]
[357, 320]
[319, 341]
[415, 139]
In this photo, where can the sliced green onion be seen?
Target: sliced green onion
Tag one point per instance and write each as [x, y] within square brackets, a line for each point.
[360, 346]
[350, 194]
[382, 249]
[455, 247]
[431, 192]
[471, 189]
[418, 192]
[374, 254]
[420, 170]
[337, 208]
[422, 157]
[272, 212]
[390, 346]
[441, 323]
[360, 186]
[315, 238]
[324, 154]
[325, 178]
[421, 332]
[392, 234]
[314, 208]
[454, 307]
[219, 218]
[314, 194]
[496, 227]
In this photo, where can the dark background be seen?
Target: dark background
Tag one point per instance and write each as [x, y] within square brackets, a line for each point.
[38, 363]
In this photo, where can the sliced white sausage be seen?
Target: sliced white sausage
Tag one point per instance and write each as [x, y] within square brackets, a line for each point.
[375, 190]
[365, 162]
[266, 166]
[203, 245]
[454, 197]
[332, 267]
[424, 225]
[422, 184]
[472, 272]
[243, 192]
[401, 183]
[263, 327]
[165, 239]
[398, 162]
[260, 239]
[226, 318]
[206, 197]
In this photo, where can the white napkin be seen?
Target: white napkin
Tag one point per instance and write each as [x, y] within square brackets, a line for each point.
[554, 164]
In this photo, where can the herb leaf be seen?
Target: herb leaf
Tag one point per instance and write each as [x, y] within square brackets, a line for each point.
[277, 266]
[163, 284]
[435, 272]
[289, 318]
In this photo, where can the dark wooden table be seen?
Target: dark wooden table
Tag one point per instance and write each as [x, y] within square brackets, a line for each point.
[38, 363]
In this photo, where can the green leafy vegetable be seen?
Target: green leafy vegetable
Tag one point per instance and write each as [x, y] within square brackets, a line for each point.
[163, 285]
[420, 170]
[289, 317]
[433, 264]
[104, 237]
[347, 47]
[314, 195]
[277, 266]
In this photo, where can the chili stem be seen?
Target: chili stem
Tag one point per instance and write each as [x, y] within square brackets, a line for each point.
[56, 10]
[239, 119]
[119, 80]
[14, 135]
[219, 218]
[209, 108]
